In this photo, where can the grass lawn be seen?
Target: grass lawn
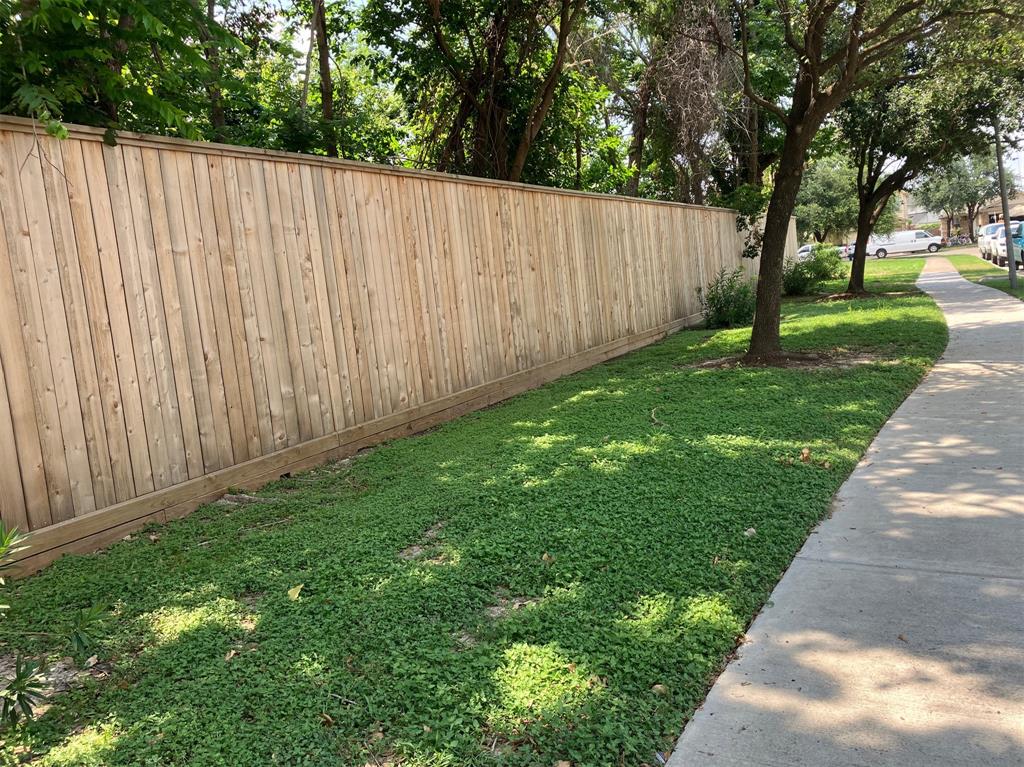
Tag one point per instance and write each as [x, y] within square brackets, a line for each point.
[984, 272]
[557, 578]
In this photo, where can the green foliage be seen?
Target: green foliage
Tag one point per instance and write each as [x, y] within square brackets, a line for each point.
[12, 541]
[801, 277]
[825, 263]
[85, 626]
[592, 548]
[728, 300]
[25, 689]
[826, 205]
[796, 278]
[23, 692]
[749, 202]
[119, 64]
[962, 182]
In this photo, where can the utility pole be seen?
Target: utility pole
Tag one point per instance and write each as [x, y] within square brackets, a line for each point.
[1011, 264]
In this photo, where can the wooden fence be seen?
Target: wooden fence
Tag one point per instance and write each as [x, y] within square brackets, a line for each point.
[177, 318]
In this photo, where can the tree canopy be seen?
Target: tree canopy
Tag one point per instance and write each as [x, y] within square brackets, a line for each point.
[702, 101]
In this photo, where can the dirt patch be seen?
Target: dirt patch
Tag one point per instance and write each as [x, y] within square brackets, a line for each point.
[412, 552]
[505, 605]
[239, 499]
[464, 640]
[418, 550]
[434, 530]
[797, 360]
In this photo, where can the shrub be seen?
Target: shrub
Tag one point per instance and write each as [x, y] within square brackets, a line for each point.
[728, 301]
[825, 263]
[800, 277]
[797, 278]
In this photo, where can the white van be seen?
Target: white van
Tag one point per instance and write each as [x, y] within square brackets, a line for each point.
[908, 241]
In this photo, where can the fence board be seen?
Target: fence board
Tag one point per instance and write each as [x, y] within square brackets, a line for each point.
[180, 317]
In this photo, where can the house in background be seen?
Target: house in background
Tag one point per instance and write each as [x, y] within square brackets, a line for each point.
[913, 213]
[993, 211]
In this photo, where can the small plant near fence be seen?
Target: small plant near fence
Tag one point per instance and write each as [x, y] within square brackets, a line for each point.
[800, 277]
[728, 300]
[25, 690]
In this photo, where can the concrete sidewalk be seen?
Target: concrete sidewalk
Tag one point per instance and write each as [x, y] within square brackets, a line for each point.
[897, 635]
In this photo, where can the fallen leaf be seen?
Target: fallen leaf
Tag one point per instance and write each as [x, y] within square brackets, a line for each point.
[805, 454]
[230, 654]
[659, 689]
[750, 532]
[902, 638]
[92, 661]
[826, 465]
[153, 537]
[327, 720]
[293, 593]
[563, 763]
[547, 558]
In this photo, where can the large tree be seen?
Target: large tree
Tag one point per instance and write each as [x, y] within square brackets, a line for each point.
[962, 185]
[485, 73]
[826, 205]
[835, 49]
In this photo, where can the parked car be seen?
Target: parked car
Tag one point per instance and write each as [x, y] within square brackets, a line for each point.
[985, 234]
[998, 246]
[804, 251]
[908, 241]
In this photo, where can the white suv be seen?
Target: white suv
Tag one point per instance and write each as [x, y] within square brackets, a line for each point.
[985, 237]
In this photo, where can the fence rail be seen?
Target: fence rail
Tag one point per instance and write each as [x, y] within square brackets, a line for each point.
[178, 317]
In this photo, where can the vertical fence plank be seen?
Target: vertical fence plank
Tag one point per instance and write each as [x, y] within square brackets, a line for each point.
[77, 311]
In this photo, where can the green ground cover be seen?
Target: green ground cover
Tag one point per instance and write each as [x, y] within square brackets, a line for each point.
[977, 269]
[556, 578]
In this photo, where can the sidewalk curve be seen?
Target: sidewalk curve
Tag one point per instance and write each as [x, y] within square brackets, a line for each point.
[896, 637]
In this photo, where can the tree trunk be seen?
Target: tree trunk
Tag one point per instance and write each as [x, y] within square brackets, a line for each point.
[972, 212]
[865, 223]
[542, 101]
[579, 160]
[764, 340]
[326, 80]
[636, 147]
[119, 51]
[213, 91]
[754, 153]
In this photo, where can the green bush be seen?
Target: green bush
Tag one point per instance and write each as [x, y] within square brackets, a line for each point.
[728, 300]
[825, 263]
[797, 279]
[800, 277]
